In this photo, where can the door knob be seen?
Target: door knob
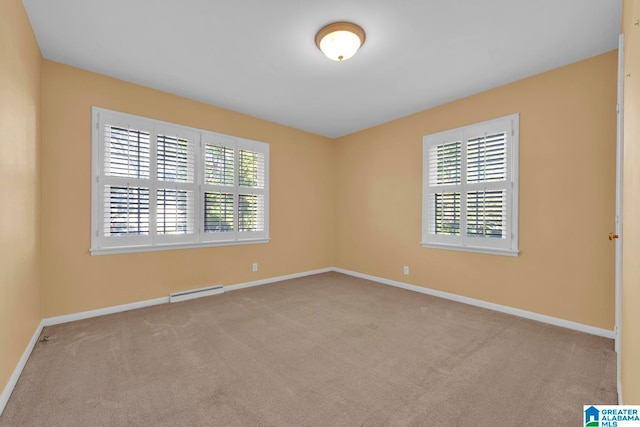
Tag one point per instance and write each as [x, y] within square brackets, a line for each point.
[613, 236]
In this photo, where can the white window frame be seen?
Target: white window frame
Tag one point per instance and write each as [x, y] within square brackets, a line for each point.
[488, 245]
[104, 245]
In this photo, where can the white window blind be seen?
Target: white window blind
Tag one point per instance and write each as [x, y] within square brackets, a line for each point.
[252, 191]
[162, 186]
[470, 187]
[126, 210]
[126, 152]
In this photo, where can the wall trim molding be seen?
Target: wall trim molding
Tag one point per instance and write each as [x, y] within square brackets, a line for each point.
[620, 402]
[276, 279]
[556, 321]
[13, 380]
[65, 318]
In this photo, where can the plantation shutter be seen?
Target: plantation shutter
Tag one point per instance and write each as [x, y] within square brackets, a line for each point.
[235, 188]
[176, 184]
[126, 210]
[446, 213]
[157, 185]
[219, 188]
[487, 214]
[487, 158]
[124, 186]
[443, 175]
[252, 203]
[487, 203]
[251, 194]
[126, 152]
[469, 178]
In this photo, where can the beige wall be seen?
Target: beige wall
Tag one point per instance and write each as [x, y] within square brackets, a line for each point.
[631, 208]
[301, 198]
[567, 192]
[20, 95]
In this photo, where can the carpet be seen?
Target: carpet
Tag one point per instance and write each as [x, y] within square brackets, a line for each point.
[323, 350]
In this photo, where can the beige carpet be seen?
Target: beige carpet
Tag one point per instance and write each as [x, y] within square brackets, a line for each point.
[326, 350]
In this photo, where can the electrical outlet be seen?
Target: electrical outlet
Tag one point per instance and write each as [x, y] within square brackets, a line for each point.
[405, 270]
[255, 267]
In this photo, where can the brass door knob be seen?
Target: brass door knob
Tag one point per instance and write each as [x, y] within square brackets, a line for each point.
[613, 236]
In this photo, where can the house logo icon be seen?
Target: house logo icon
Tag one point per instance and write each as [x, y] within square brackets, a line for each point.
[591, 417]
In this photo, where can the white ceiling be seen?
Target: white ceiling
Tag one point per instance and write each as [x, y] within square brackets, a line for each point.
[259, 57]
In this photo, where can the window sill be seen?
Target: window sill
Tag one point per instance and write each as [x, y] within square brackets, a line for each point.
[113, 250]
[490, 251]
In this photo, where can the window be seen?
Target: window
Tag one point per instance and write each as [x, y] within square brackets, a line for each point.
[159, 186]
[470, 188]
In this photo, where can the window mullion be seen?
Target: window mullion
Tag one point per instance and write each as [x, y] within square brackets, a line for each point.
[198, 190]
[443, 188]
[463, 190]
[236, 197]
[98, 205]
[153, 186]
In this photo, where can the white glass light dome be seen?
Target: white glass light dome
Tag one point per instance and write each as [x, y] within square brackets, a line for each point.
[340, 40]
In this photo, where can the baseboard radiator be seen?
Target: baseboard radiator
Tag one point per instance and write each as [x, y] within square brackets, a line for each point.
[196, 293]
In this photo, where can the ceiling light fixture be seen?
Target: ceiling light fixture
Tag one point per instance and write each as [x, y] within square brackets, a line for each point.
[340, 40]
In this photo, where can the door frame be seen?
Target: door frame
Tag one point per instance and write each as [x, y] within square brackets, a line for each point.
[618, 217]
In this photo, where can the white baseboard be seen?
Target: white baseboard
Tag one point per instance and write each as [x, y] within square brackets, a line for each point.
[619, 365]
[620, 402]
[276, 279]
[13, 380]
[50, 321]
[489, 305]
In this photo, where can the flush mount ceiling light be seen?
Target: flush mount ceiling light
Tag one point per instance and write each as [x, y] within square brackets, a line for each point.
[340, 40]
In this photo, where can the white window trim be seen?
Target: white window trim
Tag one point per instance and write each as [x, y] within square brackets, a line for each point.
[151, 243]
[438, 242]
